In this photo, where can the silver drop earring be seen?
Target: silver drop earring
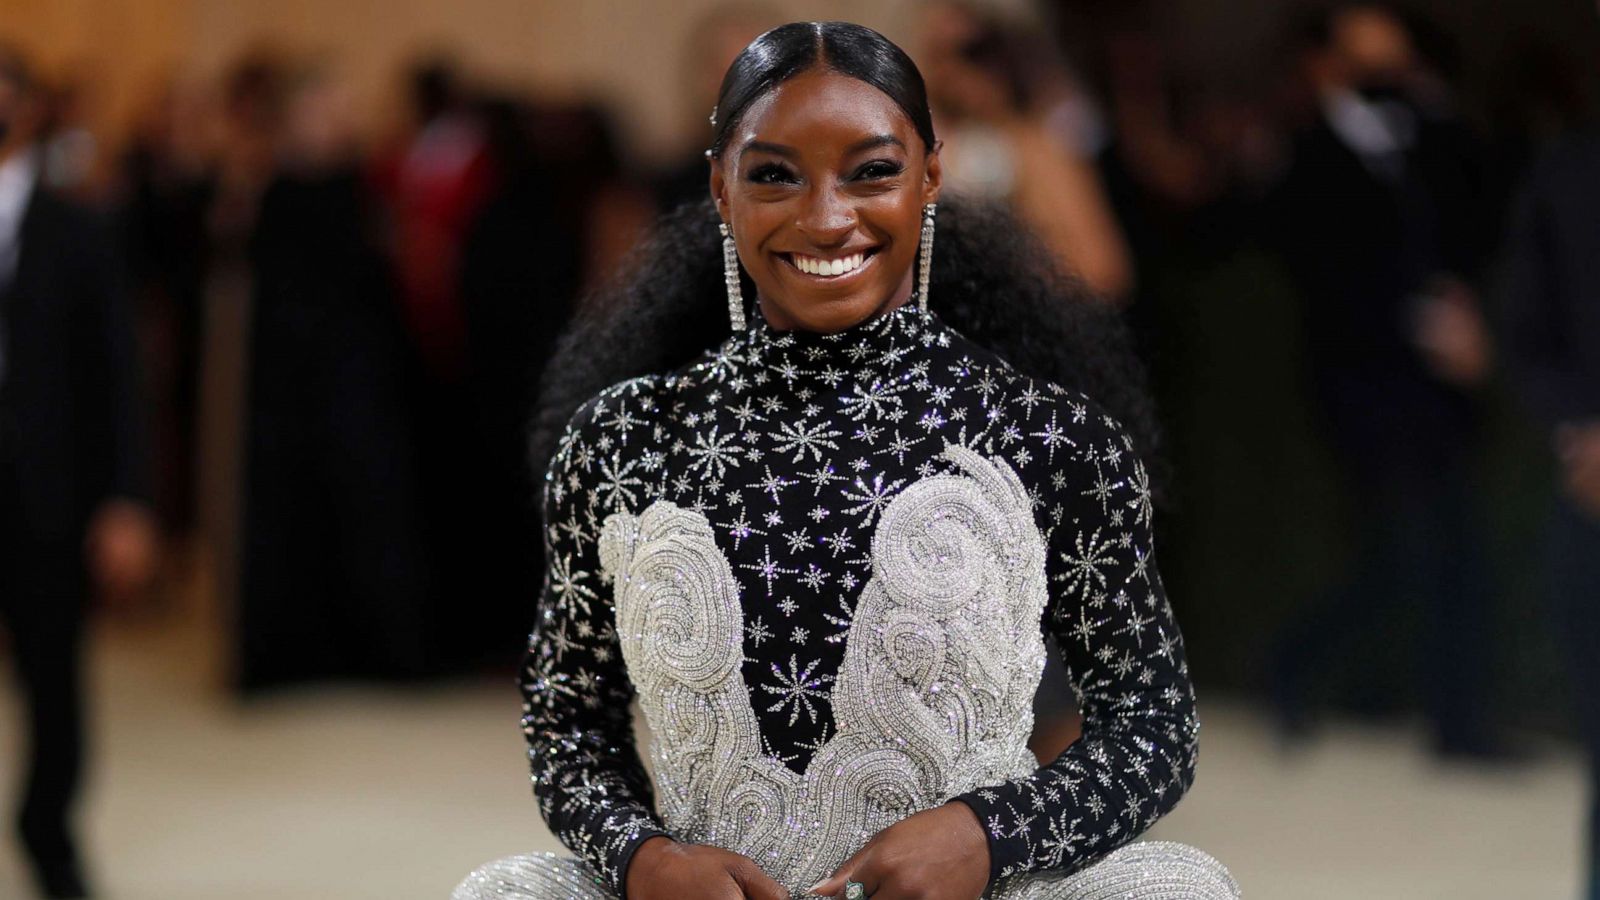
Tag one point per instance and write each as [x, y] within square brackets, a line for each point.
[925, 258]
[730, 274]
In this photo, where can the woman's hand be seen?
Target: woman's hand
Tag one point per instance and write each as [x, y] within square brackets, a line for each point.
[938, 854]
[663, 869]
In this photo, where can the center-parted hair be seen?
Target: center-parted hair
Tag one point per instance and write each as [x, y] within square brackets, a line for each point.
[992, 279]
[843, 47]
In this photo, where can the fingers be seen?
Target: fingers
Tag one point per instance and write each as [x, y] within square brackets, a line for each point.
[756, 884]
[856, 868]
[833, 885]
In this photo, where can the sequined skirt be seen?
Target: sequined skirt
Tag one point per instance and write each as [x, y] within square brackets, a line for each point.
[1150, 870]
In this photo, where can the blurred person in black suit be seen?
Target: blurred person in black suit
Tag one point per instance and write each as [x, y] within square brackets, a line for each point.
[72, 495]
[1551, 291]
[169, 184]
[1383, 223]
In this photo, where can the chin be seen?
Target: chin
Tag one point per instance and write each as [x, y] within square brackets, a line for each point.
[828, 314]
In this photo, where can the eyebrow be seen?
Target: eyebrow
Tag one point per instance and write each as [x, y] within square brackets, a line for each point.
[881, 140]
[766, 147]
[787, 152]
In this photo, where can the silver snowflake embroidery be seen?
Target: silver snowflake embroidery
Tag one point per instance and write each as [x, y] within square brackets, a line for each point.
[1053, 436]
[796, 688]
[619, 482]
[805, 437]
[757, 632]
[714, 453]
[821, 476]
[876, 400]
[870, 499]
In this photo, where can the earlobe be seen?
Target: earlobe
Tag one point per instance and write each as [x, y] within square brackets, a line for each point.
[719, 186]
[933, 175]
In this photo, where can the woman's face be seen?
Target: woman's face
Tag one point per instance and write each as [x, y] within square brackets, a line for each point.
[825, 173]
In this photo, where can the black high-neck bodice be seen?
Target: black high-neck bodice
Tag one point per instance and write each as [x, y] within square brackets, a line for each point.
[791, 445]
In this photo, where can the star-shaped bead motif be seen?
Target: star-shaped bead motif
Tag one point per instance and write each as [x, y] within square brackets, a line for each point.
[794, 446]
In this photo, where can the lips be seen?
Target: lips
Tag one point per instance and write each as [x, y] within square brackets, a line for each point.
[829, 268]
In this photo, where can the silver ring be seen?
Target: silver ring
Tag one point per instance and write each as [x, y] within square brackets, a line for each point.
[855, 890]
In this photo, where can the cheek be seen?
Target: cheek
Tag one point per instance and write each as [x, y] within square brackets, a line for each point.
[759, 225]
[895, 219]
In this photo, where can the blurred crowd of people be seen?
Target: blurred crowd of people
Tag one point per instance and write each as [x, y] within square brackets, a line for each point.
[402, 292]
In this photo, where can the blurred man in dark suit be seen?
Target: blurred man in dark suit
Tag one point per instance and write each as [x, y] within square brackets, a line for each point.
[72, 514]
[1552, 299]
[1383, 223]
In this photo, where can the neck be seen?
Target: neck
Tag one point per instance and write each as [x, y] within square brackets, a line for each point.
[781, 320]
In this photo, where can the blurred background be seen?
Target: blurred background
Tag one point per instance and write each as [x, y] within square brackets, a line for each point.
[336, 242]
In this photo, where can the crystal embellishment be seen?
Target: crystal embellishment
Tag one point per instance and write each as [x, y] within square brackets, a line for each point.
[933, 698]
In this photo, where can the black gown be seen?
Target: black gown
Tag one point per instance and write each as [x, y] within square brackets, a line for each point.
[825, 564]
[332, 578]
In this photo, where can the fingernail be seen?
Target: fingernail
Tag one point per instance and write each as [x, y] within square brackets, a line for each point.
[813, 888]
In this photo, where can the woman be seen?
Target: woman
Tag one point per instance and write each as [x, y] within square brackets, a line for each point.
[986, 80]
[823, 550]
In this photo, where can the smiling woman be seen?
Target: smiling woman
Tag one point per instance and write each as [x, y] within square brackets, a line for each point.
[823, 181]
[823, 552]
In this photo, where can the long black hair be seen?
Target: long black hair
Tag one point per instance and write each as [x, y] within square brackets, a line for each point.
[992, 280]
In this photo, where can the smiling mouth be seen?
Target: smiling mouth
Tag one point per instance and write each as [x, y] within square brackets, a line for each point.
[830, 269]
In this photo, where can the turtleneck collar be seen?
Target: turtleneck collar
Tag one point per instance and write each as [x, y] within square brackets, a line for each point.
[864, 343]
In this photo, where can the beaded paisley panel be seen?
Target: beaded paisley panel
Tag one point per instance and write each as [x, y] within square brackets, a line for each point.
[933, 698]
[792, 585]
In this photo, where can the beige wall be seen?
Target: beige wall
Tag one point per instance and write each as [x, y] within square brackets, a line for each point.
[629, 52]
[121, 46]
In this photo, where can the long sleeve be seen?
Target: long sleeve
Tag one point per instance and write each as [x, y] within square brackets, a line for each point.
[1122, 650]
[1538, 342]
[587, 775]
[115, 345]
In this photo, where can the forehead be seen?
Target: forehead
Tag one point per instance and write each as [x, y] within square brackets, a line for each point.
[821, 105]
[1372, 34]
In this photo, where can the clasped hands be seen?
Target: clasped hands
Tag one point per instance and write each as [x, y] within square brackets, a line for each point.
[937, 854]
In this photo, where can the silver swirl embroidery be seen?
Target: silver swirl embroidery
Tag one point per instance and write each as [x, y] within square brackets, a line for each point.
[933, 697]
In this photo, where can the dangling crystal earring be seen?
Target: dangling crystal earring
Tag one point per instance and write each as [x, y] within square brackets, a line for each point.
[925, 258]
[730, 274]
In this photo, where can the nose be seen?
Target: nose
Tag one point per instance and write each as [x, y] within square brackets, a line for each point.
[827, 218]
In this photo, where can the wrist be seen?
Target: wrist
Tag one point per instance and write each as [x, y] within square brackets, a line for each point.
[645, 859]
[974, 838]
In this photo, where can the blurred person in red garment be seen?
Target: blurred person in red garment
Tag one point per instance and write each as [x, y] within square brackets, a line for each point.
[435, 181]
[73, 513]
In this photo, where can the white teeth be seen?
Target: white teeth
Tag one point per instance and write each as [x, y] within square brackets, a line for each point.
[828, 268]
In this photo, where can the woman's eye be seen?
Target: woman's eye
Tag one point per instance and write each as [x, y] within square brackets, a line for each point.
[771, 173]
[879, 169]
